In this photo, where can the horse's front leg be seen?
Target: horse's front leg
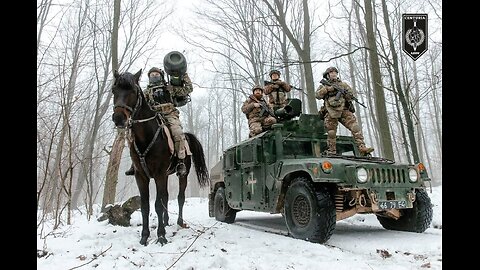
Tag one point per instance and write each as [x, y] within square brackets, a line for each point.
[161, 203]
[142, 184]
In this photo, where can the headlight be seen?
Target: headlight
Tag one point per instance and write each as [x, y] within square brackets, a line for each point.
[362, 175]
[413, 175]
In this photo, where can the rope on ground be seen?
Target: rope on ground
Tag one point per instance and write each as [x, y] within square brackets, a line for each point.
[94, 258]
[191, 244]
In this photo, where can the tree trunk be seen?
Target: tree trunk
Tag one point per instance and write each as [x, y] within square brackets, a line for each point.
[305, 52]
[403, 101]
[385, 135]
[371, 125]
[352, 69]
[119, 142]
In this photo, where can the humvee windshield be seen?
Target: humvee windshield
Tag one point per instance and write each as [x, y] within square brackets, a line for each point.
[298, 148]
[344, 149]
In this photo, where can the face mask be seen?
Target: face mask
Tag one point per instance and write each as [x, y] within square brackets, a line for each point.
[155, 80]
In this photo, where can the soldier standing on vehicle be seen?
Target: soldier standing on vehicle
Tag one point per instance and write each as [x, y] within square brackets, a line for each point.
[341, 109]
[276, 91]
[159, 95]
[257, 112]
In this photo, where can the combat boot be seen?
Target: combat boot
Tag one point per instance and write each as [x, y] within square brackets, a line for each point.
[332, 147]
[181, 168]
[130, 171]
[365, 150]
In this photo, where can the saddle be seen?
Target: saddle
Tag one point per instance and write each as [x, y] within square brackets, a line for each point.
[170, 142]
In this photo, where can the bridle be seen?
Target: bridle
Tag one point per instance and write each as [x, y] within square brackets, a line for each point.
[130, 122]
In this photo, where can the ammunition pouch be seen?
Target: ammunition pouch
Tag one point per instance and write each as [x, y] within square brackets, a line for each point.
[350, 106]
[165, 108]
[161, 96]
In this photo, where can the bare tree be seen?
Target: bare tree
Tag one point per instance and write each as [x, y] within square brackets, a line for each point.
[385, 135]
[304, 51]
[398, 86]
[119, 142]
[137, 41]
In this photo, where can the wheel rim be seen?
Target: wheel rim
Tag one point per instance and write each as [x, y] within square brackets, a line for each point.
[301, 211]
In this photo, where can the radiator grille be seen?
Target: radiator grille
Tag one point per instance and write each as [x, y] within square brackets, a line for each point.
[384, 176]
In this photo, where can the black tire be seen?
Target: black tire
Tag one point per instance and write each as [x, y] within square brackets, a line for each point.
[416, 219]
[223, 212]
[309, 214]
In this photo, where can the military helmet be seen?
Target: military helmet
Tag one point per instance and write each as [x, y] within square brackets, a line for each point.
[155, 69]
[257, 87]
[274, 71]
[328, 70]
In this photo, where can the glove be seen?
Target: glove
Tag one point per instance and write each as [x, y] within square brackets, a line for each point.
[330, 88]
[256, 105]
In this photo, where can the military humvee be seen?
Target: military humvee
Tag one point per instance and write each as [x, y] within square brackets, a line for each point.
[285, 170]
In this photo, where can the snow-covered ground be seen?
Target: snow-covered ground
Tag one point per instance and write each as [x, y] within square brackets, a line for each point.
[254, 241]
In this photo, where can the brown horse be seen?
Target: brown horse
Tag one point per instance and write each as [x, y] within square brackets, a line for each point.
[150, 152]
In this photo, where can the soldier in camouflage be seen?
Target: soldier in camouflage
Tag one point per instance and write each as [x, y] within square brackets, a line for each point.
[258, 118]
[160, 96]
[276, 91]
[339, 110]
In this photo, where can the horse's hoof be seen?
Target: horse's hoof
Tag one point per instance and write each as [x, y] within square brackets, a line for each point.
[162, 240]
[143, 241]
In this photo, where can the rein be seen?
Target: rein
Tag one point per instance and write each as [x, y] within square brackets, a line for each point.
[131, 122]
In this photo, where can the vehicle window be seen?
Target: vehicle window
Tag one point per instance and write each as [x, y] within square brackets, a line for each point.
[247, 154]
[230, 160]
[344, 149]
[297, 148]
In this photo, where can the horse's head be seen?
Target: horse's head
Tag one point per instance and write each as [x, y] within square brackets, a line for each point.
[126, 97]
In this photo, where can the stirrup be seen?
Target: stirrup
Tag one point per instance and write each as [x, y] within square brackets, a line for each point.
[181, 169]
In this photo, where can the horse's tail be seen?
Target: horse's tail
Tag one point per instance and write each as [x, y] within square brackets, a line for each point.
[198, 158]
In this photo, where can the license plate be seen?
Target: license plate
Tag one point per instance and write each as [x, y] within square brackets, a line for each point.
[392, 204]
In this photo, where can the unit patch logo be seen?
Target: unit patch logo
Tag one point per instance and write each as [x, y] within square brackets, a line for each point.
[415, 34]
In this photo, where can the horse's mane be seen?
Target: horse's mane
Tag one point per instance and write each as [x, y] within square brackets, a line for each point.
[126, 80]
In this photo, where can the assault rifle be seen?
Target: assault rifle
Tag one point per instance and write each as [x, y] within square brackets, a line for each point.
[340, 91]
[264, 107]
[293, 87]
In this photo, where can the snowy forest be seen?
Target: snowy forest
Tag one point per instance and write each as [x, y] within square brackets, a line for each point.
[230, 45]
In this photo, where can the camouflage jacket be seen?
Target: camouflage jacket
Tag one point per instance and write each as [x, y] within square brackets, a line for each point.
[184, 90]
[249, 109]
[168, 92]
[276, 92]
[327, 93]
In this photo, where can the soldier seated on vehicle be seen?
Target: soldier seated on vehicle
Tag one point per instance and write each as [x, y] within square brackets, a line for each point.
[259, 115]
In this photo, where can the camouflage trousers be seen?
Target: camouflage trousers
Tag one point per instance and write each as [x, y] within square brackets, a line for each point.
[258, 124]
[175, 126]
[347, 119]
